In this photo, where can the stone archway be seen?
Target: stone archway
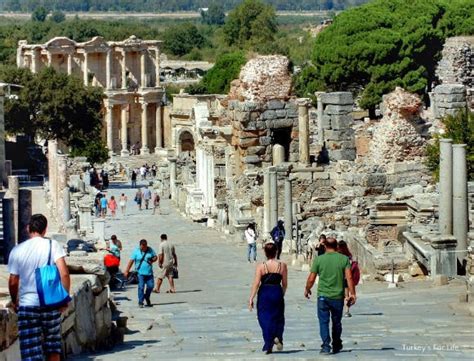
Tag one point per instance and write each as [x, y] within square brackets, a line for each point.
[186, 142]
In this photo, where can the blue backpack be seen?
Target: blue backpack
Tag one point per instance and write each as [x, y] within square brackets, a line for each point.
[50, 290]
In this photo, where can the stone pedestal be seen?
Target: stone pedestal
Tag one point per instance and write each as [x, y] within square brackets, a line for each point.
[85, 218]
[443, 257]
[289, 215]
[446, 187]
[99, 229]
[460, 203]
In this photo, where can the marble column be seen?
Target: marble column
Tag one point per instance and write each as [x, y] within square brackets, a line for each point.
[159, 128]
[157, 67]
[273, 197]
[143, 83]
[49, 56]
[446, 187]
[144, 149]
[66, 195]
[124, 69]
[86, 69]
[303, 130]
[108, 69]
[172, 177]
[320, 114]
[34, 61]
[460, 200]
[289, 214]
[52, 171]
[267, 227]
[109, 120]
[13, 193]
[278, 154]
[3, 173]
[228, 166]
[124, 131]
[69, 63]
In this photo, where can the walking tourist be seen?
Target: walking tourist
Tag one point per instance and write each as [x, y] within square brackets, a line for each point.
[168, 263]
[251, 237]
[97, 204]
[112, 206]
[278, 235]
[138, 199]
[123, 203]
[39, 327]
[134, 178]
[331, 267]
[143, 172]
[143, 257]
[320, 248]
[153, 170]
[146, 195]
[156, 202]
[103, 206]
[271, 281]
[343, 248]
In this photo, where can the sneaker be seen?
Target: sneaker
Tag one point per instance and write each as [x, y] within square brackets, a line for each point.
[278, 344]
[347, 314]
[324, 352]
[140, 305]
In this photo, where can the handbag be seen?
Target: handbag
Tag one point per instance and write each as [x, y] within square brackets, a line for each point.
[175, 274]
[111, 261]
[51, 291]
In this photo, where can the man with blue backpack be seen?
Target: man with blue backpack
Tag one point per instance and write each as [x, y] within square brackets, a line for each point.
[278, 235]
[38, 302]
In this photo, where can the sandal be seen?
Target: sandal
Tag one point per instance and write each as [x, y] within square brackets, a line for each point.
[155, 291]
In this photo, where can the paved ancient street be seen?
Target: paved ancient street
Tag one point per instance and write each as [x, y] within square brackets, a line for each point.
[208, 318]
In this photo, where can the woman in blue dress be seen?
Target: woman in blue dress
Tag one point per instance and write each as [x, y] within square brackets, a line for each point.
[271, 280]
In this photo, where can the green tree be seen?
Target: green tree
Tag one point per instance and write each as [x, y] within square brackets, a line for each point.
[459, 128]
[214, 15]
[54, 106]
[181, 39]
[252, 23]
[39, 14]
[58, 16]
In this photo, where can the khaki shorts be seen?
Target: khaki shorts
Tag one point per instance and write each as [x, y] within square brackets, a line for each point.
[165, 271]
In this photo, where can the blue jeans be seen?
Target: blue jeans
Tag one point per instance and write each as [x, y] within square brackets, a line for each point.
[328, 308]
[142, 282]
[252, 251]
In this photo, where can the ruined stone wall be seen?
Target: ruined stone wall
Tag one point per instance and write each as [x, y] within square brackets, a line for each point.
[457, 63]
[257, 126]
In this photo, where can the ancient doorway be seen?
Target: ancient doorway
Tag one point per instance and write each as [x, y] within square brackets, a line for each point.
[282, 136]
[186, 142]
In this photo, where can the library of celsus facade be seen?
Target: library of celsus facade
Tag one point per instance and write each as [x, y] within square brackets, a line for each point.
[129, 73]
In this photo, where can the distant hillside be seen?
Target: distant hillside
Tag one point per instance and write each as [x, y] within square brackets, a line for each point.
[167, 5]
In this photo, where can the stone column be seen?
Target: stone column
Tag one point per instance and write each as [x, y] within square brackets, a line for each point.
[86, 69]
[172, 177]
[49, 56]
[13, 193]
[303, 130]
[52, 172]
[228, 166]
[108, 69]
[320, 114]
[61, 185]
[34, 61]
[460, 203]
[143, 83]
[9, 238]
[267, 227]
[124, 133]
[159, 128]
[273, 197]
[446, 187]
[278, 154]
[289, 214]
[109, 121]
[145, 149]
[3, 173]
[124, 69]
[66, 194]
[69, 64]
[157, 67]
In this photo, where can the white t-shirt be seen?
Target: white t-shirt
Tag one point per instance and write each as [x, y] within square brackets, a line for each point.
[25, 259]
[250, 236]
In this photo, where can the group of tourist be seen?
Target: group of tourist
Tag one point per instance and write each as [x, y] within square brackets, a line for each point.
[277, 235]
[102, 205]
[99, 178]
[338, 276]
[145, 196]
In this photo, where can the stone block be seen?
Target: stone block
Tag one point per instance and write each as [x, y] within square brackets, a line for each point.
[451, 105]
[292, 113]
[281, 113]
[342, 154]
[269, 115]
[337, 109]
[248, 142]
[281, 123]
[242, 117]
[326, 122]
[275, 104]
[374, 180]
[261, 124]
[440, 280]
[449, 98]
[407, 192]
[347, 144]
[340, 98]
[265, 140]
[339, 122]
[450, 89]
[257, 150]
[248, 106]
[291, 106]
[251, 159]
[345, 134]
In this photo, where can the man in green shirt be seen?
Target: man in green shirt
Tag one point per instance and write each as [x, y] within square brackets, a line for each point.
[332, 267]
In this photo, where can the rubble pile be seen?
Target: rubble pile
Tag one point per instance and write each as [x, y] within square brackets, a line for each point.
[263, 78]
[397, 137]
